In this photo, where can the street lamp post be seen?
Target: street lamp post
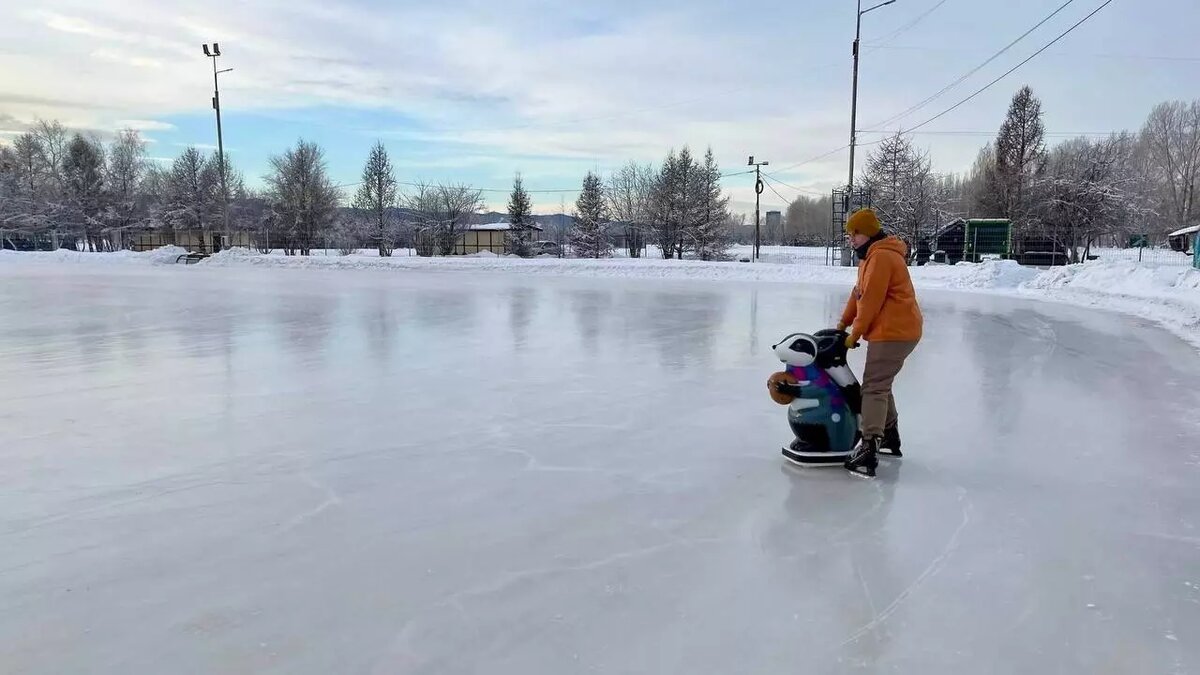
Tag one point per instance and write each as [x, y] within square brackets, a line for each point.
[216, 103]
[758, 190]
[854, 92]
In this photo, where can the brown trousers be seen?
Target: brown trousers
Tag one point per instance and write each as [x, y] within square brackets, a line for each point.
[884, 361]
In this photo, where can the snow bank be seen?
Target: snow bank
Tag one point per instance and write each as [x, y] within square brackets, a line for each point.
[165, 255]
[1166, 294]
[990, 275]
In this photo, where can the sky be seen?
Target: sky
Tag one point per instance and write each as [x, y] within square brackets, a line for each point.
[474, 92]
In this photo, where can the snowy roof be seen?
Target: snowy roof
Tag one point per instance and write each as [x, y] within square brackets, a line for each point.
[498, 227]
[1187, 230]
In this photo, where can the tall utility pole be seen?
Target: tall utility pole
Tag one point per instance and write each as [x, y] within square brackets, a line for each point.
[216, 103]
[854, 92]
[758, 190]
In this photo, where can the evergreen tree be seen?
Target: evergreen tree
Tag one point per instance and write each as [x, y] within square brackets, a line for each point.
[83, 187]
[376, 196]
[520, 218]
[589, 239]
[711, 235]
[1020, 152]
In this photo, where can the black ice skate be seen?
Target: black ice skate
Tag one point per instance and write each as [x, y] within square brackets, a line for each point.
[863, 460]
[890, 445]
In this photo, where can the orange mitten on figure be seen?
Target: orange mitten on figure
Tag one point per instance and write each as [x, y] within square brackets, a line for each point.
[777, 378]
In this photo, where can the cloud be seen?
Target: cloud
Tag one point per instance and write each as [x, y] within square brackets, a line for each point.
[145, 125]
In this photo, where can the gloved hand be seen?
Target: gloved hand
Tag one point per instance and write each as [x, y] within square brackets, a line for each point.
[851, 341]
[841, 326]
[789, 389]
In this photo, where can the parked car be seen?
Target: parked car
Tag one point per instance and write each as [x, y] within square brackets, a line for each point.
[546, 248]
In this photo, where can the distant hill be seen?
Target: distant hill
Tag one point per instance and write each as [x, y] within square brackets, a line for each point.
[546, 222]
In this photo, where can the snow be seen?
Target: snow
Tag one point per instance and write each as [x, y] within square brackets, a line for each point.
[247, 469]
[166, 255]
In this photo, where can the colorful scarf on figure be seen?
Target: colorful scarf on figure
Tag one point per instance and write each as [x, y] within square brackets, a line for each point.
[817, 377]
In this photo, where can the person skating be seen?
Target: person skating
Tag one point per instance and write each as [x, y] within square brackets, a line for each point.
[882, 310]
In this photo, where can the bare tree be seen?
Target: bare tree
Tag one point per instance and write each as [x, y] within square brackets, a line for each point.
[903, 188]
[189, 193]
[628, 193]
[303, 199]
[806, 222]
[126, 166]
[1089, 190]
[443, 209]
[1171, 140]
[53, 138]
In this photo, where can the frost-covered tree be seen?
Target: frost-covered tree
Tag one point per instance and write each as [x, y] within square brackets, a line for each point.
[25, 206]
[189, 192]
[303, 199]
[1088, 190]
[126, 167]
[1020, 152]
[520, 219]
[442, 210]
[589, 238]
[83, 187]
[711, 231]
[628, 193]
[1171, 144]
[904, 190]
[376, 197]
[53, 139]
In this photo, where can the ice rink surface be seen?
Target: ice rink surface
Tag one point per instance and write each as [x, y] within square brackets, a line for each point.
[282, 471]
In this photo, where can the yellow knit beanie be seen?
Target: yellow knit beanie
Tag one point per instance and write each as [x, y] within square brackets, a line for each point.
[864, 222]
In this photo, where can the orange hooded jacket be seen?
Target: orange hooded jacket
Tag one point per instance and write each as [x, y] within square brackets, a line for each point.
[883, 305]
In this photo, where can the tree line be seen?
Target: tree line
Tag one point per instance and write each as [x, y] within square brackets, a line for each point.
[63, 188]
[1079, 193]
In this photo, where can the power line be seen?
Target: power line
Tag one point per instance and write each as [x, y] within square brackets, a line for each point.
[786, 201]
[1067, 134]
[1014, 68]
[793, 187]
[1082, 55]
[821, 156]
[906, 27]
[974, 70]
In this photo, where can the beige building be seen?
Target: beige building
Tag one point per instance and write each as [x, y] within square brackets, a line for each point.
[196, 241]
[491, 237]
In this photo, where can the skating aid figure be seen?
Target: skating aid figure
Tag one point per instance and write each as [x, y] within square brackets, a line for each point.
[822, 395]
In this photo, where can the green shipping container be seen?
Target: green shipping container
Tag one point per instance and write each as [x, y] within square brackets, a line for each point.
[988, 238]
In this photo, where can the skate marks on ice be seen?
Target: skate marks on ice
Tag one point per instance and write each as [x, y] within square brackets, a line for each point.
[853, 534]
[935, 565]
[457, 614]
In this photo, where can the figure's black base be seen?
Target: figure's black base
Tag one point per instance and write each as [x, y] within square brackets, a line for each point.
[808, 456]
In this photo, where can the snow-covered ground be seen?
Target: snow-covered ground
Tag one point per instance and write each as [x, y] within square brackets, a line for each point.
[248, 470]
[1168, 294]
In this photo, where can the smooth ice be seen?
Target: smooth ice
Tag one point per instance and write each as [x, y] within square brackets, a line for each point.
[280, 471]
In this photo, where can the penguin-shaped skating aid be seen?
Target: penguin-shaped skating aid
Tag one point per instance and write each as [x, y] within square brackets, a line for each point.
[823, 397]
